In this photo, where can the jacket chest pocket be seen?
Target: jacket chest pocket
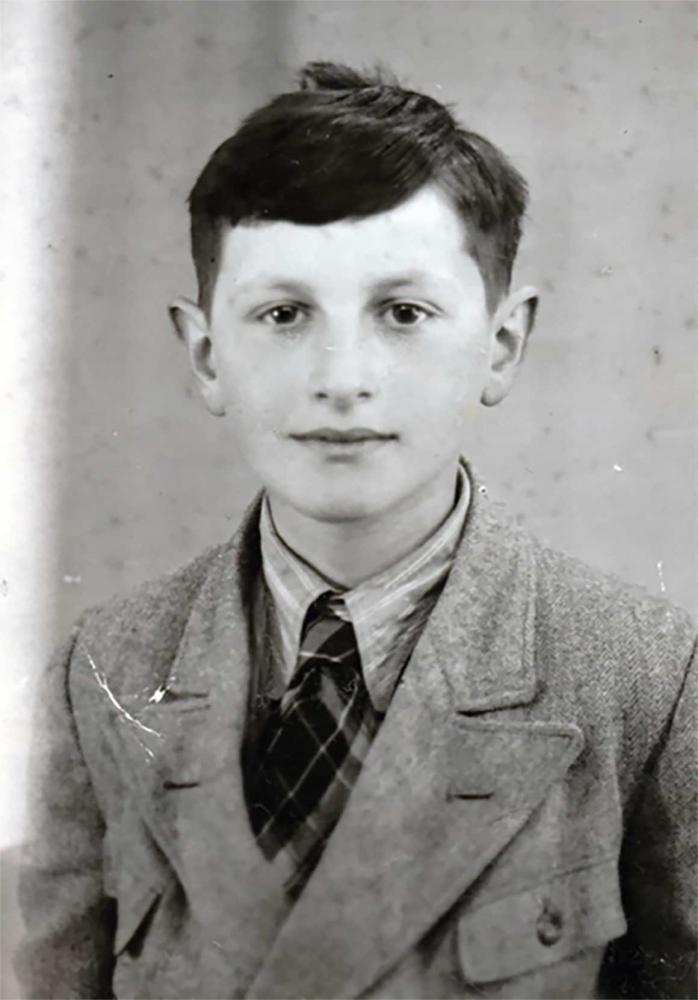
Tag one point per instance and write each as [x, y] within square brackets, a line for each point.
[558, 919]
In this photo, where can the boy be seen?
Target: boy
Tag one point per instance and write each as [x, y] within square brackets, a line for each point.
[382, 743]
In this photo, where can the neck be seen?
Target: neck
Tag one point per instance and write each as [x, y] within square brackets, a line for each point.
[349, 552]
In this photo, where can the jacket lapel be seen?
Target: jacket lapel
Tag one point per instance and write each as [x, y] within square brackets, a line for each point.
[442, 791]
[186, 757]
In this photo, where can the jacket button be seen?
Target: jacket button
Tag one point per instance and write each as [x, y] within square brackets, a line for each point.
[549, 924]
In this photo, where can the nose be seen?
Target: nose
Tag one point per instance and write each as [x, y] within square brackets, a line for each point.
[344, 367]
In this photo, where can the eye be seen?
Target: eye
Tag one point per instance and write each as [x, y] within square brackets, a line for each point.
[405, 314]
[285, 316]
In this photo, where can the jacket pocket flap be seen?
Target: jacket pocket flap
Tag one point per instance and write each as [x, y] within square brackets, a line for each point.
[541, 925]
[135, 906]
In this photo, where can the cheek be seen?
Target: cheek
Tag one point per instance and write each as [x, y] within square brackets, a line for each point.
[253, 389]
[256, 407]
[245, 405]
[449, 376]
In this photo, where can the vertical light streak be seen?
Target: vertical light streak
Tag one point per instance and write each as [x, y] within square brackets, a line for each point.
[33, 293]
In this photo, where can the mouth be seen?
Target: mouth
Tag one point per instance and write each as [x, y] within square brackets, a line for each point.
[351, 436]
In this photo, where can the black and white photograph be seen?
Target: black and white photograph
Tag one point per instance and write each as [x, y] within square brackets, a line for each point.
[349, 559]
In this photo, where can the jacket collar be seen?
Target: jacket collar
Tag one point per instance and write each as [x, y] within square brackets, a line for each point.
[481, 630]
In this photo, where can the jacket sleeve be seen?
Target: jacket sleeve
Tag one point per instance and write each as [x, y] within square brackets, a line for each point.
[658, 865]
[69, 921]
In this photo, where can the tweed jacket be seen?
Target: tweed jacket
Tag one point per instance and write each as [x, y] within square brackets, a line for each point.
[524, 825]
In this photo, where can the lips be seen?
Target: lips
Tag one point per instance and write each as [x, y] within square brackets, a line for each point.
[353, 435]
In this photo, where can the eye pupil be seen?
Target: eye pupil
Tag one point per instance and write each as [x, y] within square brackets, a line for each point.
[405, 313]
[284, 314]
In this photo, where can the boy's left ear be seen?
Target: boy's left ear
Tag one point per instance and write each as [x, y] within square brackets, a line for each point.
[511, 326]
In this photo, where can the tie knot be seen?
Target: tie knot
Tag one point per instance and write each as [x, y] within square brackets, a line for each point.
[328, 641]
[329, 606]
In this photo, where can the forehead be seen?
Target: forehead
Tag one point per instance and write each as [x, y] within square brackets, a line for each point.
[422, 235]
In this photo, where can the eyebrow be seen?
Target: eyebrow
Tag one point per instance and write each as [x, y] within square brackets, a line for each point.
[272, 283]
[403, 281]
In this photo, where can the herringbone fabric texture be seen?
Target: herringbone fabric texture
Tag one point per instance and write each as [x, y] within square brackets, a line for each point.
[314, 742]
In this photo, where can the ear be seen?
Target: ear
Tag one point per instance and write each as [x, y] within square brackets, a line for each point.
[511, 326]
[191, 325]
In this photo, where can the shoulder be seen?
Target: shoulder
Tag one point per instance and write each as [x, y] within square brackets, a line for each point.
[626, 653]
[140, 631]
[577, 606]
[167, 596]
[602, 611]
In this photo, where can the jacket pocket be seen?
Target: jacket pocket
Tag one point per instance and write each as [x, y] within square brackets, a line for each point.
[539, 926]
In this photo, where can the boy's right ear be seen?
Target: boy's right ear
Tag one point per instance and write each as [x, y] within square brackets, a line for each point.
[179, 312]
[191, 325]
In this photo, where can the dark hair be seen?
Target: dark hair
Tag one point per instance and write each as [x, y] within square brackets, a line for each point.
[347, 145]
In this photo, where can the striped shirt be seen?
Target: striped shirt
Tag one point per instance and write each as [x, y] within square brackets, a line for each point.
[388, 611]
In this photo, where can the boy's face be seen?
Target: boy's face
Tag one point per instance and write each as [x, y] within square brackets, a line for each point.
[348, 358]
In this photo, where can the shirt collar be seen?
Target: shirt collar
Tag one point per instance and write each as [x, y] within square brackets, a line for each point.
[378, 607]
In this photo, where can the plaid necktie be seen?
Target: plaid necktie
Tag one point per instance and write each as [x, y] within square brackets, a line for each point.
[314, 741]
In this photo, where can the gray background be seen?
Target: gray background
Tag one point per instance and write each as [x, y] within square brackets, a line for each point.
[121, 472]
